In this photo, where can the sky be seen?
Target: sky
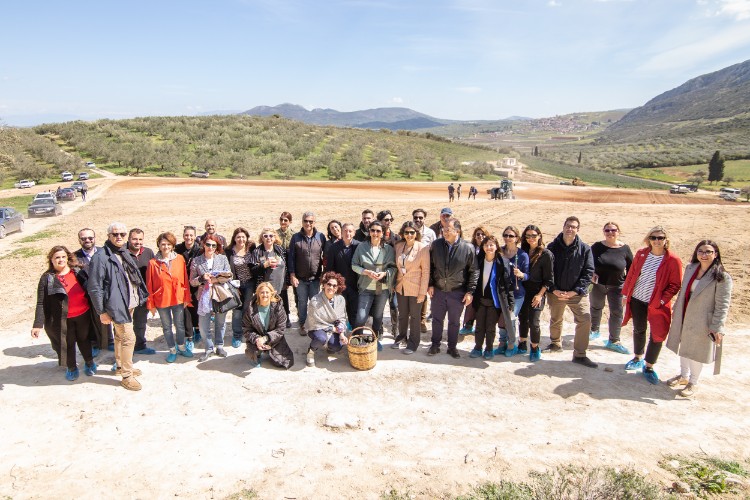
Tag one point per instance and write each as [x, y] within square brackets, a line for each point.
[451, 59]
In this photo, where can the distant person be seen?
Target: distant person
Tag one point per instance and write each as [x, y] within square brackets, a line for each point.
[612, 260]
[116, 288]
[473, 192]
[652, 282]
[363, 232]
[306, 265]
[702, 306]
[62, 309]
[573, 267]
[240, 257]
[263, 328]
[210, 227]
[142, 256]
[451, 191]
[84, 192]
[540, 280]
[339, 260]
[190, 249]
[458, 192]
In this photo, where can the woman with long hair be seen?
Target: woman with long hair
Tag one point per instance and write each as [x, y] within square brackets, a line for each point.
[412, 279]
[612, 259]
[239, 254]
[63, 310]
[204, 273]
[541, 279]
[269, 260]
[326, 317]
[516, 262]
[477, 237]
[169, 293]
[375, 262]
[651, 284]
[699, 315]
[263, 327]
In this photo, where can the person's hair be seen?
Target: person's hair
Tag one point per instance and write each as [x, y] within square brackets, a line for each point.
[306, 215]
[515, 231]
[381, 215]
[86, 229]
[166, 236]
[657, 229]
[482, 253]
[455, 223]
[249, 245]
[113, 225]
[328, 228]
[409, 225]
[610, 223]
[376, 223]
[354, 226]
[539, 250]
[267, 284]
[572, 218]
[215, 239]
[477, 229]
[189, 228]
[135, 230]
[207, 221]
[286, 215]
[72, 260]
[330, 275]
[716, 266]
[368, 211]
[419, 210]
[266, 230]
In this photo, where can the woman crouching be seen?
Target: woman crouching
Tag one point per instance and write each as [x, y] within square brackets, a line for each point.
[326, 317]
[263, 327]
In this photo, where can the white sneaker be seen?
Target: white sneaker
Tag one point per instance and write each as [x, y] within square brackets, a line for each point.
[310, 358]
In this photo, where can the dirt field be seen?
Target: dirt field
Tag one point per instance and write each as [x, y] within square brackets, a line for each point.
[430, 425]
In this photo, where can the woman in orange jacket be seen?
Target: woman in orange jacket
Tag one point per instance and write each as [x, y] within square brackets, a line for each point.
[169, 293]
[652, 281]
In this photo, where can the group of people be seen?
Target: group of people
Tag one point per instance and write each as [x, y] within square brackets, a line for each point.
[100, 297]
[454, 192]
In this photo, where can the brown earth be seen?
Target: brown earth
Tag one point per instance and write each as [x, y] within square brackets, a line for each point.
[432, 426]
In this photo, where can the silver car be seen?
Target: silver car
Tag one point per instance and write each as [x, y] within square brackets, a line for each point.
[10, 221]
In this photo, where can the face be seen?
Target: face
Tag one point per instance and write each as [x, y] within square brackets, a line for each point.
[308, 223]
[87, 239]
[210, 226]
[706, 254]
[240, 240]
[348, 233]
[330, 287]
[450, 233]
[387, 221]
[367, 219]
[510, 237]
[657, 239]
[532, 237]
[268, 239]
[59, 260]
[410, 234]
[418, 219]
[264, 296]
[284, 223]
[376, 233]
[209, 248]
[188, 236]
[611, 231]
[479, 237]
[570, 229]
[444, 218]
[136, 241]
[335, 229]
[118, 236]
[165, 247]
[490, 248]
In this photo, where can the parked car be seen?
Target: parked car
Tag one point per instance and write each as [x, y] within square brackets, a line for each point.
[45, 195]
[10, 221]
[67, 194]
[90, 164]
[678, 189]
[45, 207]
[79, 185]
[24, 183]
[66, 176]
[203, 174]
[83, 176]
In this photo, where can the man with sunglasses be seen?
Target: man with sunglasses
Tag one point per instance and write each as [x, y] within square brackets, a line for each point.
[572, 270]
[306, 265]
[101, 336]
[189, 250]
[116, 288]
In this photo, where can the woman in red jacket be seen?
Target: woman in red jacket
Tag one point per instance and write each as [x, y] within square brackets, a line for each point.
[169, 293]
[653, 279]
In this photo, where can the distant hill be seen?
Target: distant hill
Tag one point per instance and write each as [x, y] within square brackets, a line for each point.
[390, 118]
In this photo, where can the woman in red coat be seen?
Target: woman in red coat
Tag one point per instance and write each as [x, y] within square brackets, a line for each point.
[653, 279]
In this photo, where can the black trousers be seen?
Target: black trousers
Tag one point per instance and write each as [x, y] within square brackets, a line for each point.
[486, 326]
[528, 319]
[639, 312]
[78, 333]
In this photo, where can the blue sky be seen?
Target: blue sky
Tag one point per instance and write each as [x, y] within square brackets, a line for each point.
[456, 59]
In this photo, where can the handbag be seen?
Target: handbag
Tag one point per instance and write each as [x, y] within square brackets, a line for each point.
[225, 297]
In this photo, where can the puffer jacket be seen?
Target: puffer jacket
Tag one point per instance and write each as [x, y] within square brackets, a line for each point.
[458, 271]
[573, 265]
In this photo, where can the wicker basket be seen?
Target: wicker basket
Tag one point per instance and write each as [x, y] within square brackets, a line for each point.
[363, 357]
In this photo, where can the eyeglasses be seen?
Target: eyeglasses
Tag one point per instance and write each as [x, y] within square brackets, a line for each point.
[657, 238]
[531, 236]
[376, 230]
[417, 217]
[269, 235]
[508, 235]
[332, 285]
[308, 221]
[410, 232]
[121, 235]
[210, 245]
[283, 219]
[705, 252]
[568, 226]
[388, 219]
[611, 230]
[86, 238]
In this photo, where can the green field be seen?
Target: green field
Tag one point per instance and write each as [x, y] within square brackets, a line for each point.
[739, 170]
[588, 176]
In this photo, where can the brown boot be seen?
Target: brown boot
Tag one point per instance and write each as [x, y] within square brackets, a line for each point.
[131, 384]
[136, 372]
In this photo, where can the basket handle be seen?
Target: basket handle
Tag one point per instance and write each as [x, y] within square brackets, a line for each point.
[363, 328]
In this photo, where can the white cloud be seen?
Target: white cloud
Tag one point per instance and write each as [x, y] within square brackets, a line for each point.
[554, 3]
[397, 100]
[469, 90]
[738, 9]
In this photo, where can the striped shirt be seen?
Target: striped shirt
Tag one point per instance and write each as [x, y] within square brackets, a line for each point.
[644, 286]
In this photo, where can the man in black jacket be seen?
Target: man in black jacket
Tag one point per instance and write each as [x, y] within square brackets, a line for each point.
[306, 265]
[339, 260]
[101, 336]
[453, 279]
[142, 255]
[190, 249]
[363, 232]
[573, 269]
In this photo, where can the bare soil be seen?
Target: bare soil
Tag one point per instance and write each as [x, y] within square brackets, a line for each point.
[432, 426]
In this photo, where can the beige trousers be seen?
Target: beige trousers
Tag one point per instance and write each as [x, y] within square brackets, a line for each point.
[579, 306]
[124, 345]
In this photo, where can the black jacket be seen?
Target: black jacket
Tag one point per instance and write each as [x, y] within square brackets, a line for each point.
[108, 286]
[502, 286]
[339, 260]
[306, 255]
[281, 354]
[573, 265]
[457, 271]
[540, 273]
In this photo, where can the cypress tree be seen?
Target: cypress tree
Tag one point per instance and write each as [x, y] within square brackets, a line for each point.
[716, 168]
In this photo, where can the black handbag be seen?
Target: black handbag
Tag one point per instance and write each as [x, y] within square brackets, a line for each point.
[225, 297]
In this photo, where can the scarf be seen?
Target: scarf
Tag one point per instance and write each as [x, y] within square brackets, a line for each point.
[128, 264]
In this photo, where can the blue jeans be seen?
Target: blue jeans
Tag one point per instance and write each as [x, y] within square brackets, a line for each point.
[204, 324]
[175, 314]
[319, 338]
[516, 309]
[246, 292]
[305, 291]
[370, 304]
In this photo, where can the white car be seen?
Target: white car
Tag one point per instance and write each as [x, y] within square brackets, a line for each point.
[90, 164]
[66, 176]
[24, 183]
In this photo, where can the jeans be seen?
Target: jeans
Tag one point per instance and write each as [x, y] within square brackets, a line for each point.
[370, 304]
[140, 315]
[410, 314]
[450, 303]
[246, 292]
[528, 319]
[124, 346]
[204, 323]
[305, 291]
[393, 303]
[319, 338]
[517, 304]
[171, 314]
[613, 294]
[579, 306]
[639, 312]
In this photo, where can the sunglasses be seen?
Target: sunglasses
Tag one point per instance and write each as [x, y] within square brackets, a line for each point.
[387, 220]
[611, 230]
[416, 217]
[479, 235]
[376, 230]
[87, 238]
[657, 238]
[332, 285]
[509, 235]
[410, 232]
[269, 235]
[210, 245]
[531, 236]
[307, 221]
[121, 235]
[283, 220]
[571, 227]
